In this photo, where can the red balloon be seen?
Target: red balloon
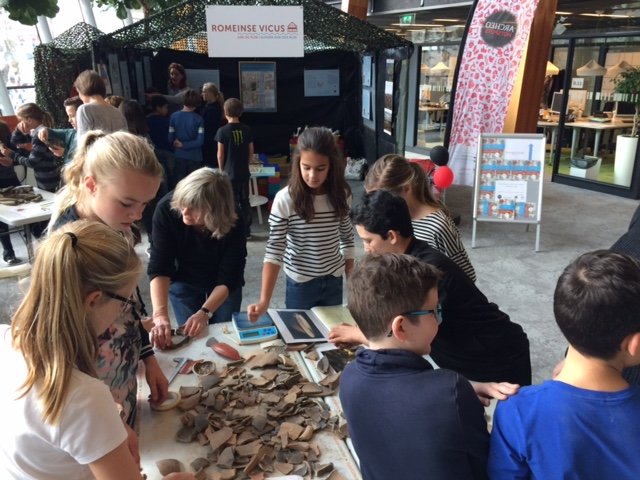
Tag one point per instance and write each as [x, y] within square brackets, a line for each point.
[443, 177]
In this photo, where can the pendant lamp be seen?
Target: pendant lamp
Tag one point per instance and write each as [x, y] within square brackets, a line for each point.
[440, 68]
[591, 69]
[618, 68]
[551, 69]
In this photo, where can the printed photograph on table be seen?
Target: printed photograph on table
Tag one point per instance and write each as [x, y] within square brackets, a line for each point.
[297, 326]
[258, 86]
[508, 177]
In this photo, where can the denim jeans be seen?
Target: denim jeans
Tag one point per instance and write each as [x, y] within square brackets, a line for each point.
[186, 300]
[319, 292]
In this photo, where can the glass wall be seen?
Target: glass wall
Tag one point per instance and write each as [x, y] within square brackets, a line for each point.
[586, 122]
[435, 79]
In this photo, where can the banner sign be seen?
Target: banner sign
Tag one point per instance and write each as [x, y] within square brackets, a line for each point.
[495, 44]
[255, 31]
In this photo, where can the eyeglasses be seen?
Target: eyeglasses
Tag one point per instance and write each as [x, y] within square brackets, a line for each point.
[437, 314]
[126, 302]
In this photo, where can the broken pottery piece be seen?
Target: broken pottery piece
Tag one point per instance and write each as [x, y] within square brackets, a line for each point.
[204, 367]
[323, 364]
[172, 401]
[186, 435]
[322, 470]
[226, 458]
[168, 465]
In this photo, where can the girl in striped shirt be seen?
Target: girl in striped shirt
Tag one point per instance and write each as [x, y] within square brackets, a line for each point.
[431, 222]
[311, 235]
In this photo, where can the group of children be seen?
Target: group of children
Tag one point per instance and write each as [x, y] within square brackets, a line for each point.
[412, 294]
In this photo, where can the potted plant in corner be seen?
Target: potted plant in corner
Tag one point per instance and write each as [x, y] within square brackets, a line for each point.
[627, 88]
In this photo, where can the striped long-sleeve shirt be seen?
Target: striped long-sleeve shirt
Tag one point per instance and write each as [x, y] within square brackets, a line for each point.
[439, 231]
[308, 249]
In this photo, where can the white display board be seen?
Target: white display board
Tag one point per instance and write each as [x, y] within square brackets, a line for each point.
[508, 181]
[255, 31]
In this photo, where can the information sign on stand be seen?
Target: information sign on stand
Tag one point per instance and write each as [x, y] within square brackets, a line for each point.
[509, 178]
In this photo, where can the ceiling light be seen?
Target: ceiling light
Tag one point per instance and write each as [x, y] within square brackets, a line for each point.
[415, 25]
[440, 68]
[551, 69]
[608, 15]
[591, 69]
[564, 13]
[618, 68]
[445, 20]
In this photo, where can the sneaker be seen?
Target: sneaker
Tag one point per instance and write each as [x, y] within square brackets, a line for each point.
[12, 260]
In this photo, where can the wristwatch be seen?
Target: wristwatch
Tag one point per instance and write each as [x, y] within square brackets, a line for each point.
[207, 311]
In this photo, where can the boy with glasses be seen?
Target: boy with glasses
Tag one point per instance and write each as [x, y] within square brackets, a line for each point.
[406, 419]
[476, 339]
[585, 423]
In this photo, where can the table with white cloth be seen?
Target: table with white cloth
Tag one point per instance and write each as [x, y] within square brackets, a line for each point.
[157, 429]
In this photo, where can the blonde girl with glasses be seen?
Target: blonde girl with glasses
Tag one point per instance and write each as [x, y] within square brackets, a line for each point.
[60, 422]
[112, 178]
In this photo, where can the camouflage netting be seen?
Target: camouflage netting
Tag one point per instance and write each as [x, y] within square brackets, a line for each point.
[183, 28]
[58, 63]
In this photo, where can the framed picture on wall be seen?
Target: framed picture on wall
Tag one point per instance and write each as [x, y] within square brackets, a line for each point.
[388, 97]
[258, 86]
[366, 71]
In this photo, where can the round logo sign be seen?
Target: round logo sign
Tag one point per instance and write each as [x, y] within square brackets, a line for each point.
[499, 28]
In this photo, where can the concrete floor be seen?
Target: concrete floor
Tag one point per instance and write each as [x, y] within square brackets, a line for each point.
[509, 272]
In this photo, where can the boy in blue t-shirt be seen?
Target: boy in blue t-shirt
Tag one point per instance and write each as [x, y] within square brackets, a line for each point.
[186, 134]
[407, 420]
[585, 423]
[235, 149]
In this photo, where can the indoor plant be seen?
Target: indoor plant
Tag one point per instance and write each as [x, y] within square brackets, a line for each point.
[627, 88]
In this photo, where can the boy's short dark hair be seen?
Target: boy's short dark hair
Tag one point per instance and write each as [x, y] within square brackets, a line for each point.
[72, 102]
[381, 287]
[381, 211]
[191, 98]
[158, 101]
[233, 107]
[597, 302]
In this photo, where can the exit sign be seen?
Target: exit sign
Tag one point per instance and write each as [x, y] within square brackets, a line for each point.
[408, 19]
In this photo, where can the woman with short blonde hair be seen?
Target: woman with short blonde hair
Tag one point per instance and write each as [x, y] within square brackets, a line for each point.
[198, 255]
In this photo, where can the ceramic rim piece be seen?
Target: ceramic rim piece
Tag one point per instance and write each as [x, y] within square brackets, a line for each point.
[171, 402]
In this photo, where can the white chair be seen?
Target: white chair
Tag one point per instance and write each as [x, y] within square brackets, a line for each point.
[256, 200]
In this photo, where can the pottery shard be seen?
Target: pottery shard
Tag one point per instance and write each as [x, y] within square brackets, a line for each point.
[323, 365]
[189, 402]
[311, 389]
[218, 438]
[284, 468]
[270, 374]
[322, 470]
[189, 391]
[271, 398]
[331, 381]
[255, 460]
[226, 458]
[186, 435]
[289, 431]
[259, 422]
[199, 463]
[335, 476]
[168, 465]
[261, 360]
[307, 434]
[249, 449]
[204, 367]
[245, 437]
[259, 382]
[312, 355]
[224, 474]
[209, 381]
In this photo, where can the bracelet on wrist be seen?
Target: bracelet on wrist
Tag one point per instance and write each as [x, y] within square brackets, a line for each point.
[206, 311]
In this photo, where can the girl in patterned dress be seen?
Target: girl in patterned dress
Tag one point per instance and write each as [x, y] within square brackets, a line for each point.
[112, 178]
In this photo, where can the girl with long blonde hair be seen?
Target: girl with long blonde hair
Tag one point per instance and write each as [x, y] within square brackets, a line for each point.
[112, 178]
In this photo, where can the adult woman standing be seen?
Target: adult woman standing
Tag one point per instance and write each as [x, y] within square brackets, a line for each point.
[198, 255]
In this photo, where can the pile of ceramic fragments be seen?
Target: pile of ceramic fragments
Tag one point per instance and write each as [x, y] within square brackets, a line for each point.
[256, 418]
